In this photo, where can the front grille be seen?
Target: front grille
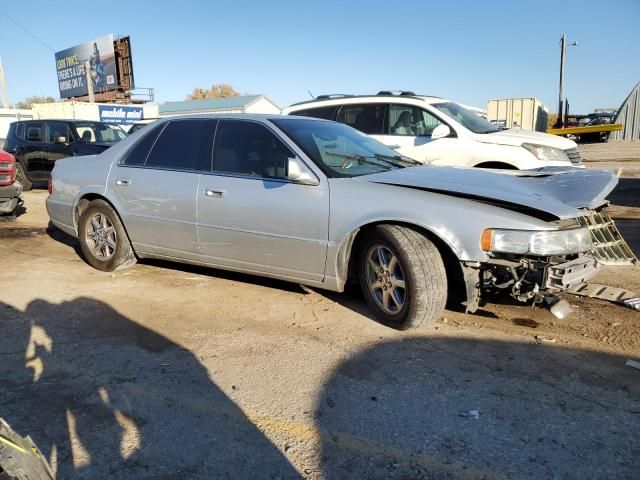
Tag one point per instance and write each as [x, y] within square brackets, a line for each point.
[574, 155]
[609, 248]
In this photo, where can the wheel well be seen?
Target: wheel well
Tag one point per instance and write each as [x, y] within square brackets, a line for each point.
[500, 165]
[455, 279]
[84, 202]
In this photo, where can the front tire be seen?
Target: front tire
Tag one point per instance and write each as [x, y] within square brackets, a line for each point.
[402, 277]
[103, 239]
[21, 177]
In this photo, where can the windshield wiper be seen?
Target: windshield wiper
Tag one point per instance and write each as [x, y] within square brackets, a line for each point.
[360, 159]
[398, 160]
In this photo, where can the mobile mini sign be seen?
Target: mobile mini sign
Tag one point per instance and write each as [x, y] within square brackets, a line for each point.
[71, 67]
[120, 114]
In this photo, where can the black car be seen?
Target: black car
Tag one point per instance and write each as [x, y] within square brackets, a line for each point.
[37, 144]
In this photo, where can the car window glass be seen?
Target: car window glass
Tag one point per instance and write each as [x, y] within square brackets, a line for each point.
[248, 148]
[138, 155]
[407, 120]
[90, 132]
[319, 112]
[368, 118]
[34, 132]
[179, 145]
[54, 130]
[20, 131]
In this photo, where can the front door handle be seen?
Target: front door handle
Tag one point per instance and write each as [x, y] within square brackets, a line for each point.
[123, 182]
[393, 147]
[215, 192]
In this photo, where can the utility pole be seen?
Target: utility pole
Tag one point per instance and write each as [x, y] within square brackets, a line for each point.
[563, 52]
[3, 87]
[87, 68]
[562, 110]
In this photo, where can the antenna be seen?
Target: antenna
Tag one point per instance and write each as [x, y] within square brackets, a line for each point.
[311, 95]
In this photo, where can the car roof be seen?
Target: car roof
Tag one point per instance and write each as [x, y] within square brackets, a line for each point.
[340, 99]
[260, 117]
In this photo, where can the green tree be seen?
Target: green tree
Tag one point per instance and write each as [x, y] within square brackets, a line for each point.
[26, 103]
[216, 91]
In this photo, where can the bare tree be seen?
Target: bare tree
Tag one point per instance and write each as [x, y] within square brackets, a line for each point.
[216, 91]
[27, 102]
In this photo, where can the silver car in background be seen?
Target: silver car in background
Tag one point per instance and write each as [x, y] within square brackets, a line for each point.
[316, 202]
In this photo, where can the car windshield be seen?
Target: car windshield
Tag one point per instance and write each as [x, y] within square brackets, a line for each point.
[91, 132]
[341, 150]
[466, 118]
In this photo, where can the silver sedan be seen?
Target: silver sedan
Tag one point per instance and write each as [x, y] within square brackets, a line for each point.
[317, 203]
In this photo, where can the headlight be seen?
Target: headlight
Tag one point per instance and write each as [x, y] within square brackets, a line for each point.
[536, 242]
[542, 152]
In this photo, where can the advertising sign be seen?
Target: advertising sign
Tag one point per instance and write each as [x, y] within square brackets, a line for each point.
[120, 114]
[71, 67]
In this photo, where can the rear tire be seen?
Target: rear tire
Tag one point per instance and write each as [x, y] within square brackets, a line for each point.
[402, 277]
[21, 177]
[103, 239]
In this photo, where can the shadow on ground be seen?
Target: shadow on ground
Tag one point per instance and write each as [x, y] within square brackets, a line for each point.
[407, 408]
[626, 193]
[104, 397]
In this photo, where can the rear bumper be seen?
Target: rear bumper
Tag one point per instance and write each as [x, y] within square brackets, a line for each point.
[10, 197]
[61, 215]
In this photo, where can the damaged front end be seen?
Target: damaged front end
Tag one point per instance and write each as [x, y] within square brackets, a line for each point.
[536, 277]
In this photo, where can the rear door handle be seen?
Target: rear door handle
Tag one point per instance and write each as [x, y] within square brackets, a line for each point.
[123, 182]
[215, 192]
[393, 147]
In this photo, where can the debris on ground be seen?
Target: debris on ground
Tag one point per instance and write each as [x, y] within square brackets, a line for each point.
[544, 338]
[612, 294]
[633, 364]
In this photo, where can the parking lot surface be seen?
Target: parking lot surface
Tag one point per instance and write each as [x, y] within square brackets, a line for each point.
[172, 371]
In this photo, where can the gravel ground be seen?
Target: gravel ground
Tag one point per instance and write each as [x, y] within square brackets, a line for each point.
[170, 371]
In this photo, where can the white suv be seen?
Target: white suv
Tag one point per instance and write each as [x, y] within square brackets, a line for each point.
[440, 132]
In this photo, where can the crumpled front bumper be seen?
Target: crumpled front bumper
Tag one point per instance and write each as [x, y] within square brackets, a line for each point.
[10, 197]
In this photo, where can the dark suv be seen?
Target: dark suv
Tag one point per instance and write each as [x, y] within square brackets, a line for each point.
[37, 144]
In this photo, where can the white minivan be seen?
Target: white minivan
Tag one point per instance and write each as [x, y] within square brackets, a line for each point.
[437, 131]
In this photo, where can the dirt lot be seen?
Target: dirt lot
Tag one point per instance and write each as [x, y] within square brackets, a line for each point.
[167, 371]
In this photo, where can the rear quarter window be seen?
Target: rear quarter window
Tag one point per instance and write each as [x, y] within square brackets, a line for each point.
[318, 112]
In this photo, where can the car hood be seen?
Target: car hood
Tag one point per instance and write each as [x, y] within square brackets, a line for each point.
[516, 137]
[547, 193]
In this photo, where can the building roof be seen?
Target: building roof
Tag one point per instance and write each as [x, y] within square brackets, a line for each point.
[221, 104]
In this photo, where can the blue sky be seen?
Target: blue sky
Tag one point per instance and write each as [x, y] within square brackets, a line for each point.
[468, 51]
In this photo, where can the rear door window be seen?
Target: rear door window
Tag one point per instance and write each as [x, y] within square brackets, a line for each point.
[368, 118]
[34, 132]
[180, 145]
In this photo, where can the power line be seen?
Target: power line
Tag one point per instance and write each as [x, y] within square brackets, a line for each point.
[26, 30]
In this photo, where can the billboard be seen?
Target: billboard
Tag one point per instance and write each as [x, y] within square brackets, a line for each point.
[71, 67]
[120, 114]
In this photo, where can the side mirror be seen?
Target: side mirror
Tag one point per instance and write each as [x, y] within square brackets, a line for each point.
[441, 131]
[60, 139]
[298, 172]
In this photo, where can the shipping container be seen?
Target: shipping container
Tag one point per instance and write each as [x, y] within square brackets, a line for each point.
[103, 112]
[526, 113]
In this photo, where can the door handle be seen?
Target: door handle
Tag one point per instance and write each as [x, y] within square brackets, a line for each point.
[393, 147]
[123, 182]
[215, 193]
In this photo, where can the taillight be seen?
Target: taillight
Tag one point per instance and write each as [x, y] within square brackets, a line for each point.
[50, 185]
[7, 169]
